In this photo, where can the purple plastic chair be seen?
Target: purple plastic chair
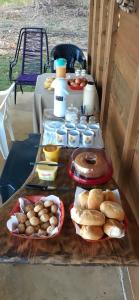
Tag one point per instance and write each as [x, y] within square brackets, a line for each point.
[32, 46]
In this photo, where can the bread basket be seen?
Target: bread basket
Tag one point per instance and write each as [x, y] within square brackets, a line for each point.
[33, 199]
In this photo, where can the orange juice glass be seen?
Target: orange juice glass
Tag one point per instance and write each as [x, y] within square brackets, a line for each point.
[60, 65]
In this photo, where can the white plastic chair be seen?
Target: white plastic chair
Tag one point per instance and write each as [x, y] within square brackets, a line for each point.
[5, 120]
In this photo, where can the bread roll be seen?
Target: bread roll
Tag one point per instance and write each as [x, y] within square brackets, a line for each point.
[53, 220]
[39, 202]
[109, 196]
[21, 217]
[34, 221]
[44, 226]
[44, 218]
[28, 207]
[95, 198]
[30, 230]
[36, 228]
[27, 223]
[48, 203]
[91, 232]
[87, 217]
[54, 208]
[42, 212]
[112, 210]
[50, 215]
[21, 228]
[41, 232]
[30, 214]
[114, 228]
[50, 229]
[83, 199]
[38, 207]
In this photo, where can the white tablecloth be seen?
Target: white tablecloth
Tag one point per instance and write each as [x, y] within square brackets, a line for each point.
[49, 135]
[45, 99]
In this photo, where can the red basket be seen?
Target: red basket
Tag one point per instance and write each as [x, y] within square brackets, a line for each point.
[33, 199]
[75, 88]
[93, 181]
[105, 237]
[78, 87]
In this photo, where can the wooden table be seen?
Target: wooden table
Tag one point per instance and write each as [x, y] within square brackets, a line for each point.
[67, 248]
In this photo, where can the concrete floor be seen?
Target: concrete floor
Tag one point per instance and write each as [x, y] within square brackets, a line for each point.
[35, 282]
[21, 117]
[28, 282]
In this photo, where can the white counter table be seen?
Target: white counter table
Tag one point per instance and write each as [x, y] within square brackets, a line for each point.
[45, 99]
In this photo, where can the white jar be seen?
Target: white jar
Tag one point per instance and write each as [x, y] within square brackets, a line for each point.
[90, 98]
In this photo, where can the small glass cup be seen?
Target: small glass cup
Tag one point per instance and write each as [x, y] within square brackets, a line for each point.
[73, 138]
[71, 114]
[92, 120]
[83, 72]
[83, 120]
[77, 72]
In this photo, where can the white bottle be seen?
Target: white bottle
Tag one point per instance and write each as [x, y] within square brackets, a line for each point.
[90, 99]
[60, 92]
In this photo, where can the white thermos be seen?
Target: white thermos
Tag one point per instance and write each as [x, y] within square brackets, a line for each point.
[60, 94]
[90, 99]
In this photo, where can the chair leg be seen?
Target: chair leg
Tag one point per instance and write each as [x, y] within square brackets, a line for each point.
[21, 88]
[3, 139]
[15, 94]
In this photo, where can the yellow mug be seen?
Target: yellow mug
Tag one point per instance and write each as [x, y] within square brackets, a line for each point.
[51, 152]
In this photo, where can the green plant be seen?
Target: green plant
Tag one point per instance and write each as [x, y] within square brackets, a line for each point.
[14, 2]
[4, 73]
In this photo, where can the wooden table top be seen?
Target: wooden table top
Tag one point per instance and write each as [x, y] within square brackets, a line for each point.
[67, 248]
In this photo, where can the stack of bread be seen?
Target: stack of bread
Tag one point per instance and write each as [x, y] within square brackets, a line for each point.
[98, 214]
